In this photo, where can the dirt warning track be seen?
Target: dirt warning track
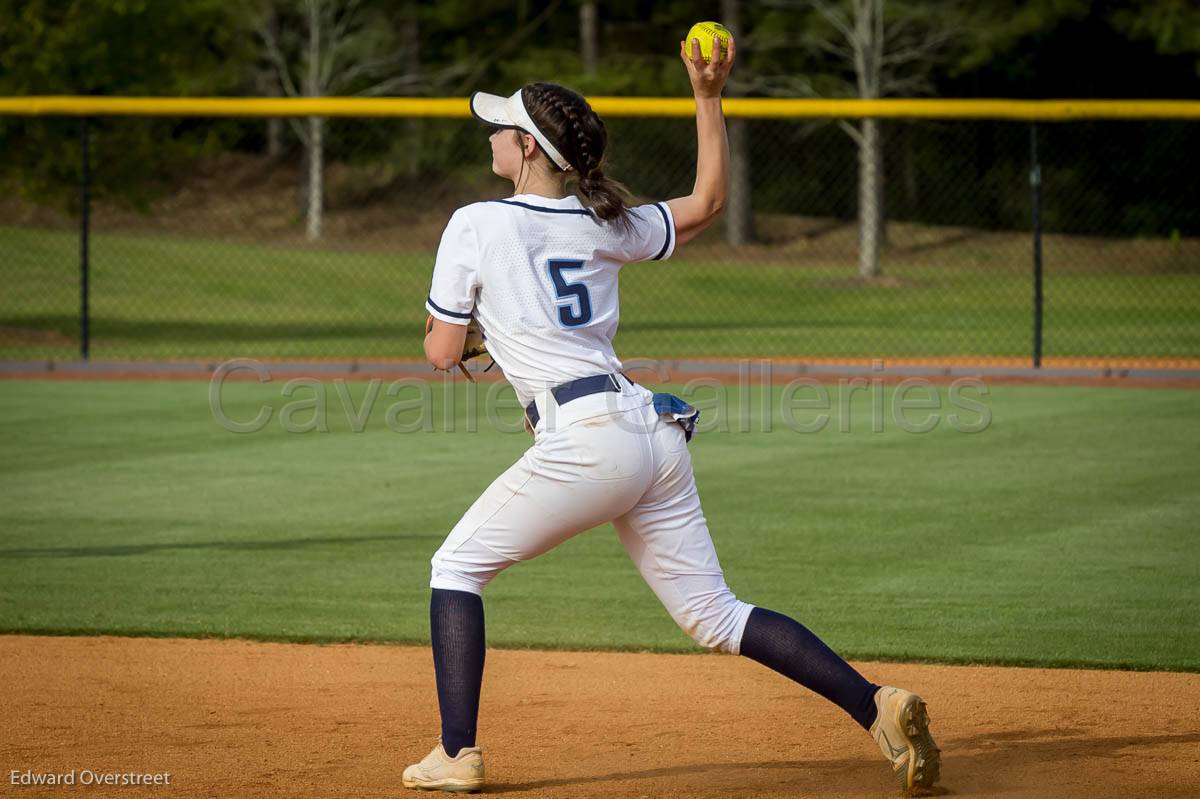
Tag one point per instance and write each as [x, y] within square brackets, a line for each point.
[245, 719]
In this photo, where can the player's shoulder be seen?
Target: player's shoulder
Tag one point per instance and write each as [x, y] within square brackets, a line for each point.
[470, 213]
[484, 214]
[492, 215]
[651, 219]
[648, 210]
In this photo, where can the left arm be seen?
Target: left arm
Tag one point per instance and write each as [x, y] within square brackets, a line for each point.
[451, 298]
[444, 344]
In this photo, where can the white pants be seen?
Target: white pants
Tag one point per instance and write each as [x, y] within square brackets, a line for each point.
[631, 468]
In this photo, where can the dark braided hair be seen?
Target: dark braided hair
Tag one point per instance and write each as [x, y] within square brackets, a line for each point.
[578, 133]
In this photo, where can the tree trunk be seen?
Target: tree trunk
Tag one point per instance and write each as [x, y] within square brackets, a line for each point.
[412, 35]
[316, 177]
[588, 44]
[274, 124]
[739, 216]
[316, 127]
[269, 87]
[911, 191]
[870, 180]
[274, 138]
[881, 212]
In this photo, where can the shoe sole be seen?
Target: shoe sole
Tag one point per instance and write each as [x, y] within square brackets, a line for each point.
[452, 786]
[924, 757]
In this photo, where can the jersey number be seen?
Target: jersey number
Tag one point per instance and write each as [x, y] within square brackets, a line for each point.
[577, 310]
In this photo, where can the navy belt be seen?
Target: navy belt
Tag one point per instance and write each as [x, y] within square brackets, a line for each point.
[574, 389]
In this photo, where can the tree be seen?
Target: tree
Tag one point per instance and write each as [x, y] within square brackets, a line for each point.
[134, 47]
[870, 49]
[739, 216]
[588, 38]
[266, 83]
[1173, 25]
[323, 48]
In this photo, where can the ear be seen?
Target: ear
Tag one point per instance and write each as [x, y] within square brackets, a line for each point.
[528, 145]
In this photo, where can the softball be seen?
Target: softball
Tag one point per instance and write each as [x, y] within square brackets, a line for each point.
[705, 31]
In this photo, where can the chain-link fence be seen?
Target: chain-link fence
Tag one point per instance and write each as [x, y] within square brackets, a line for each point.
[203, 242]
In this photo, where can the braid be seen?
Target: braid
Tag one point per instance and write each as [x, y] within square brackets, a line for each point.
[569, 111]
[579, 134]
[586, 162]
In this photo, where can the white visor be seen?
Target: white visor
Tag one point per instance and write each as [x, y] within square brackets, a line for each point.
[509, 112]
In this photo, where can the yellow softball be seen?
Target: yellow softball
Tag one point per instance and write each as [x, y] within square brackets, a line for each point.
[705, 31]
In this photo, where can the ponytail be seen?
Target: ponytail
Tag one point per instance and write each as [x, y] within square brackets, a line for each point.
[607, 198]
[578, 132]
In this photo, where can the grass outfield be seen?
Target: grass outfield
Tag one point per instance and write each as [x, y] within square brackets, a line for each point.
[1064, 533]
[158, 296]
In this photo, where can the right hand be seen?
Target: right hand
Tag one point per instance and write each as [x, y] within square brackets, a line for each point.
[708, 77]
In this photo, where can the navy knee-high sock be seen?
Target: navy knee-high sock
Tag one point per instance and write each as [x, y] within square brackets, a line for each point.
[788, 647]
[456, 627]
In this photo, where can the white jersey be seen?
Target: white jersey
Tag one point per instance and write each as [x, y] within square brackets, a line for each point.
[540, 276]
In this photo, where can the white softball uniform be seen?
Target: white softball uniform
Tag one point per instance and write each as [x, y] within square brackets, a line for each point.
[540, 276]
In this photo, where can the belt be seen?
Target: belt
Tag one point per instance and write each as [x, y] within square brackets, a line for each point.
[574, 389]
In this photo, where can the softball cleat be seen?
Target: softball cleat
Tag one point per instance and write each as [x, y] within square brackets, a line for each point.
[462, 773]
[901, 729]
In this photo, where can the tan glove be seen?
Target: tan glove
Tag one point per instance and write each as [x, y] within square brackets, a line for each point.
[473, 346]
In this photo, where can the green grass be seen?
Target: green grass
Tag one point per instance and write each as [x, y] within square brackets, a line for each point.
[158, 296]
[1064, 533]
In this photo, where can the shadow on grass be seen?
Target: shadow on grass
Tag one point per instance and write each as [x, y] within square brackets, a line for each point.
[120, 551]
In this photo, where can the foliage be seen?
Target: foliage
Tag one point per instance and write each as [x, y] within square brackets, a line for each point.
[127, 47]
[1005, 48]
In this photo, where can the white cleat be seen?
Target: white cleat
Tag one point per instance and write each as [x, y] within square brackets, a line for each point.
[439, 772]
[902, 731]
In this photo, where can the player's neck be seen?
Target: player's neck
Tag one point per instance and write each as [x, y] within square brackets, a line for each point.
[542, 187]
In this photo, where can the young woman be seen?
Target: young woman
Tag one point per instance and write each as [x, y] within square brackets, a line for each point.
[538, 271]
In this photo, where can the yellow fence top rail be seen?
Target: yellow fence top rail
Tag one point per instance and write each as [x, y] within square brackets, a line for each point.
[457, 108]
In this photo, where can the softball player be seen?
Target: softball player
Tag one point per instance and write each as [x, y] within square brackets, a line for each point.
[538, 272]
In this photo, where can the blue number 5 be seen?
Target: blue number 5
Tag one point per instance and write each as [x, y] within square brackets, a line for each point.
[578, 312]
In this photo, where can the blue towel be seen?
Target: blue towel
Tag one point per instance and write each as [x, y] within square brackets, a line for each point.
[678, 411]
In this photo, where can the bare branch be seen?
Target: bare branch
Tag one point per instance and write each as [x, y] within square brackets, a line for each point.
[426, 80]
[509, 44]
[367, 69]
[782, 86]
[835, 18]
[342, 22]
[853, 132]
[913, 84]
[391, 86]
[277, 60]
[312, 85]
[910, 55]
[900, 27]
[824, 45]
[330, 45]
[808, 126]
[300, 129]
[878, 41]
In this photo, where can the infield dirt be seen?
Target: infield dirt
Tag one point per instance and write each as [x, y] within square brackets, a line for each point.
[245, 719]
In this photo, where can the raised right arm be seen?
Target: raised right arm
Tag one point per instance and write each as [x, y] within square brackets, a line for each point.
[697, 211]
